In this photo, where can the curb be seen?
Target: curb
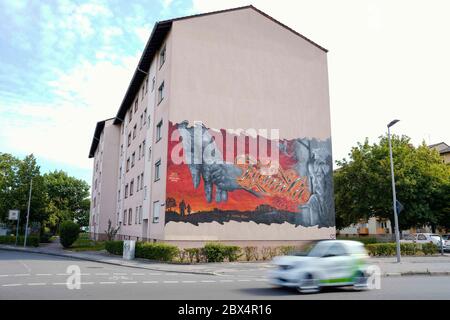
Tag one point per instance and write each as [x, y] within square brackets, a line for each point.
[416, 273]
[68, 255]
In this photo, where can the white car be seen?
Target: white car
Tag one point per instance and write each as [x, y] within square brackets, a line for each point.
[328, 263]
[423, 238]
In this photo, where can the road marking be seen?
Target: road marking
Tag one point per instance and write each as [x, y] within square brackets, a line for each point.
[11, 285]
[244, 280]
[119, 274]
[87, 282]
[108, 282]
[59, 283]
[189, 281]
[154, 274]
[102, 274]
[150, 281]
[4, 275]
[226, 280]
[37, 284]
[85, 274]
[63, 274]
[138, 274]
[22, 275]
[170, 281]
[208, 281]
[261, 280]
[128, 282]
[43, 274]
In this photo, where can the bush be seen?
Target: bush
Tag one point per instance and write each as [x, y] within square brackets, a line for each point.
[194, 254]
[68, 233]
[429, 248]
[45, 237]
[268, 253]
[232, 253]
[251, 253]
[286, 250]
[114, 247]
[156, 251]
[32, 241]
[217, 252]
[408, 249]
[381, 249]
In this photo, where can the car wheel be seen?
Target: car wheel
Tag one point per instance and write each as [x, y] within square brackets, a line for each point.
[308, 284]
[360, 281]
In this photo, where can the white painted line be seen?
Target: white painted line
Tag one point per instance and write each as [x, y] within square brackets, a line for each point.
[87, 282]
[244, 280]
[4, 275]
[102, 274]
[85, 274]
[43, 274]
[226, 280]
[128, 282]
[189, 281]
[59, 283]
[208, 281]
[119, 274]
[63, 274]
[154, 274]
[150, 281]
[37, 284]
[12, 285]
[108, 282]
[170, 281]
[22, 275]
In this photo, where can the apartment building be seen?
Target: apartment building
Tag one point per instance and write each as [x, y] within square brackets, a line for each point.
[210, 93]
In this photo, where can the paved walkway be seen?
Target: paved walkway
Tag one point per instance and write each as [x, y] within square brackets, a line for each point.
[424, 265]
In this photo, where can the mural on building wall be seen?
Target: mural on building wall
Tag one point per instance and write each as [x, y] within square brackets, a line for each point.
[218, 175]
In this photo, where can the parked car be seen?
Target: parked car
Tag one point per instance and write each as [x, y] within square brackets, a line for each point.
[423, 238]
[446, 239]
[328, 263]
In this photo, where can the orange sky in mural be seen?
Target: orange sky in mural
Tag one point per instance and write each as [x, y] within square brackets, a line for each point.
[180, 187]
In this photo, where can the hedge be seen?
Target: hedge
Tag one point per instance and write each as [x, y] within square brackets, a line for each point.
[407, 249]
[68, 233]
[32, 241]
[217, 252]
[114, 247]
[156, 251]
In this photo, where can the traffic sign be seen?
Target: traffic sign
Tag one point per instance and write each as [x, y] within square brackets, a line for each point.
[399, 206]
[13, 214]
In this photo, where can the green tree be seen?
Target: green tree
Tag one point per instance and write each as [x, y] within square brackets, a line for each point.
[68, 199]
[8, 183]
[363, 183]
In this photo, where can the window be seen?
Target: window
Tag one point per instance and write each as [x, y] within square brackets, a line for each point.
[155, 211]
[121, 150]
[120, 173]
[145, 192]
[124, 217]
[134, 131]
[131, 187]
[138, 182]
[136, 104]
[126, 191]
[139, 153]
[145, 116]
[140, 214]
[142, 94]
[129, 139]
[161, 93]
[149, 153]
[128, 164]
[142, 180]
[157, 173]
[136, 215]
[146, 85]
[133, 156]
[421, 237]
[143, 149]
[153, 83]
[130, 216]
[158, 131]
[141, 121]
[130, 115]
[162, 56]
[118, 196]
[122, 127]
[95, 201]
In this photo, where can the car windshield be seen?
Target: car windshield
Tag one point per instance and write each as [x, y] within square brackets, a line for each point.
[446, 237]
[319, 250]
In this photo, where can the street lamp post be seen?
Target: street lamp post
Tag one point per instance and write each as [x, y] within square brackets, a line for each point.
[394, 197]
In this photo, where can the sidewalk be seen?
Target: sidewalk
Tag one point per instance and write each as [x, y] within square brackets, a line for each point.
[423, 265]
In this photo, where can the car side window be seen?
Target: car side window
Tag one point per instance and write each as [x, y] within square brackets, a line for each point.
[421, 237]
[336, 250]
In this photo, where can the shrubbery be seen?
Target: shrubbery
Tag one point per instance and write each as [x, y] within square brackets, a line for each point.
[32, 241]
[156, 251]
[251, 253]
[429, 248]
[114, 247]
[406, 249]
[68, 233]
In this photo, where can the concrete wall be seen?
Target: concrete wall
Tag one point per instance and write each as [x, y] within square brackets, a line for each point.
[242, 70]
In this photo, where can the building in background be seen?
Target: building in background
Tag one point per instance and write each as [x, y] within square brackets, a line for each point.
[443, 149]
[196, 157]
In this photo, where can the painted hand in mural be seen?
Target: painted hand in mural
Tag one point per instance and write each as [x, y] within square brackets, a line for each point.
[205, 162]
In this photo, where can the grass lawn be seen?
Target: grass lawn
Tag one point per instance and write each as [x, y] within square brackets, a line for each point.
[83, 243]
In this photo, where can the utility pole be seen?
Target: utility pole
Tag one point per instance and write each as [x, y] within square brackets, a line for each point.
[394, 197]
[28, 214]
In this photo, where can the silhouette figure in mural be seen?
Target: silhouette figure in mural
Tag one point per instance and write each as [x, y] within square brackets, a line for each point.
[188, 209]
[182, 207]
[209, 165]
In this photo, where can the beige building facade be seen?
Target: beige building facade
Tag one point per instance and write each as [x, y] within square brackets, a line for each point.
[207, 83]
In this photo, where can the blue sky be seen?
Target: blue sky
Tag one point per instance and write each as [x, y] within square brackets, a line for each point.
[66, 64]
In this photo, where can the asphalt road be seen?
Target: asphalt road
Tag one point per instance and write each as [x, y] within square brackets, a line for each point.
[38, 276]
